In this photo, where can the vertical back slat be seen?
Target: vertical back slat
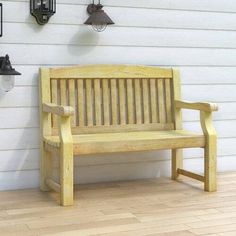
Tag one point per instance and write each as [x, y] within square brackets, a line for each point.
[81, 102]
[106, 110]
[89, 102]
[138, 101]
[153, 95]
[168, 101]
[114, 102]
[130, 101]
[97, 96]
[72, 99]
[122, 102]
[161, 102]
[63, 92]
[146, 103]
[54, 91]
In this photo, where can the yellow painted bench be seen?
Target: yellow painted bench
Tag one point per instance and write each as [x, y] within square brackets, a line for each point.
[117, 108]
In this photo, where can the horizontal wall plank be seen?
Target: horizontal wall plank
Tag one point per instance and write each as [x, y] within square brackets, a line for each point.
[207, 75]
[225, 129]
[227, 111]
[19, 179]
[61, 55]
[19, 138]
[194, 5]
[19, 117]
[209, 93]
[16, 160]
[163, 18]
[30, 178]
[20, 96]
[117, 36]
[189, 75]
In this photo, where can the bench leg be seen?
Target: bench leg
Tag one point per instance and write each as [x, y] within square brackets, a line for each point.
[176, 162]
[210, 164]
[45, 168]
[66, 174]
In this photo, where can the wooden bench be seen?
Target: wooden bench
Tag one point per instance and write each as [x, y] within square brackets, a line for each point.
[116, 108]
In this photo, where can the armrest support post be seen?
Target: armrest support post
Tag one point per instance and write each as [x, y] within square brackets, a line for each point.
[210, 151]
[66, 161]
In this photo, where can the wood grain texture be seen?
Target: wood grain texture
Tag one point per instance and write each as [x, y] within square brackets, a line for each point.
[131, 141]
[131, 95]
[45, 126]
[57, 109]
[210, 151]
[110, 72]
[176, 154]
[98, 209]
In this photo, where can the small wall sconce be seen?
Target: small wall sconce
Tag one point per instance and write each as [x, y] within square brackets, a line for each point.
[42, 10]
[98, 18]
[0, 19]
[7, 74]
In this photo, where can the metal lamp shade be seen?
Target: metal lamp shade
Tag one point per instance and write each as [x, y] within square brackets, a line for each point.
[6, 68]
[99, 20]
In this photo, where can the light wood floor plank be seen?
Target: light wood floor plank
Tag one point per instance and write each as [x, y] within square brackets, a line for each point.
[155, 207]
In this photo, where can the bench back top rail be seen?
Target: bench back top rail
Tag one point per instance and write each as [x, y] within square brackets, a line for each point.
[112, 98]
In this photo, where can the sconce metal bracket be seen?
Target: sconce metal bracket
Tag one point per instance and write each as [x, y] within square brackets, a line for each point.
[92, 8]
[41, 18]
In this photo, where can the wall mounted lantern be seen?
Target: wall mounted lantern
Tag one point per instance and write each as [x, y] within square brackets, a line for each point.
[98, 19]
[42, 10]
[0, 19]
[7, 74]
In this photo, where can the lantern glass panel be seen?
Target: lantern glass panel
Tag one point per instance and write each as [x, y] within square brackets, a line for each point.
[7, 82]
[99, 27]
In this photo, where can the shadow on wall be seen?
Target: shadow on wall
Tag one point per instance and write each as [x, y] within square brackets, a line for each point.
[84, 38]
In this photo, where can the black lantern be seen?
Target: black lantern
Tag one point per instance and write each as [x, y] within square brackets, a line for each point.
[98, 18]
[7, 74]
[42, 10]
[0, 19]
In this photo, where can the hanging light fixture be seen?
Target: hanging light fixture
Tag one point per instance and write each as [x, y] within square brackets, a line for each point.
[98, 19]
[42, 10]
[7, 74]
[0, 19]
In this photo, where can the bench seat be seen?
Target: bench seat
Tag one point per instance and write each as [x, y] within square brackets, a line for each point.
[130, 141]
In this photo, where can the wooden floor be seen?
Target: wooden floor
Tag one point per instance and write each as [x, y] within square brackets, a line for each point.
[158, 207]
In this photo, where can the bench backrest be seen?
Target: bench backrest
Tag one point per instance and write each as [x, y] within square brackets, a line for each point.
[113, 98]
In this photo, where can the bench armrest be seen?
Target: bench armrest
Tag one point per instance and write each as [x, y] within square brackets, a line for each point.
[58, 110]
[206, 110]
[201, 106]
[64, 122]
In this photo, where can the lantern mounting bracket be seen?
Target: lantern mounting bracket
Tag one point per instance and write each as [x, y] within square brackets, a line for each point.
[93, 8]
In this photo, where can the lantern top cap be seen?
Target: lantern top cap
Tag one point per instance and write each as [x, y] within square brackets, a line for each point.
[6, 67]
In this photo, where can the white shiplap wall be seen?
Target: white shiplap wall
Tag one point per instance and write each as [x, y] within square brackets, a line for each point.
[198, 37]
